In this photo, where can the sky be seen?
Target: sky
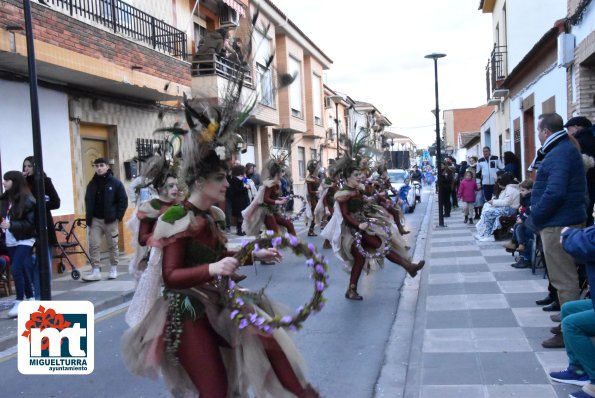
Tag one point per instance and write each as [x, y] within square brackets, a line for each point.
[378, 48]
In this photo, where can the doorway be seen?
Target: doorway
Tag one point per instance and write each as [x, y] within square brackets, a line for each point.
[529, 137]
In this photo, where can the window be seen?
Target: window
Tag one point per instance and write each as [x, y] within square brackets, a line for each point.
[302, 161]
[317, 99]
[281, 139]
[295, 89]
[313, 154]
[264, 75]
[199, 33]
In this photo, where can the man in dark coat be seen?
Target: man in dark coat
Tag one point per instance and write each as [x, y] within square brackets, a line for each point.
[106, 203]
[558, 201]
[238, 193]
[581, 128]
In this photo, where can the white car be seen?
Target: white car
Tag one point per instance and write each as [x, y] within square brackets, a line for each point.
[397, 180]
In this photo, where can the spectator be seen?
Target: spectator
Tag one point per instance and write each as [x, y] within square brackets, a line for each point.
[558, 201]
[52, 202]
[522, 234]
[506, 204]
[212, 46]
[4, 258]
[463, 169]
[445, 189]
[511, 165]
[487, 167]
[466, 193]
[581, 128]
[106, 203]
[253, 175]
[17, 212]
[238, 189]
[578, 318]
[452, 164]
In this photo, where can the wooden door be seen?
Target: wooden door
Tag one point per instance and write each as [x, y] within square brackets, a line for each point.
[529, 138]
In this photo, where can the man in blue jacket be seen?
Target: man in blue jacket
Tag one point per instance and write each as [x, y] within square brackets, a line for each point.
[106, 203]
[558, 201]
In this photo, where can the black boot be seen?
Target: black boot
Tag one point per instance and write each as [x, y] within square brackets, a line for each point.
[466, 219]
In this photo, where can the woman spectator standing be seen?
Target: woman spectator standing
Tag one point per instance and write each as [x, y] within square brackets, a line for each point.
[511, 165]
[17, 211]
[52, 202]
[238, 193]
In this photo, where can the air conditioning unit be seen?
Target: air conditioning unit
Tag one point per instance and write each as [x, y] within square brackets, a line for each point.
[228, 17]
[565, 50]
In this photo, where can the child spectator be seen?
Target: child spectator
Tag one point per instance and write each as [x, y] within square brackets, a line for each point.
[403, 192]
[479, 199]
[467, 190]
[522, 234]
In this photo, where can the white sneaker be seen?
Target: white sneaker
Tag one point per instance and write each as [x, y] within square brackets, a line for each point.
[487, 239]
[93, 276]
[113, 272]
[14, 311]
[31, 299]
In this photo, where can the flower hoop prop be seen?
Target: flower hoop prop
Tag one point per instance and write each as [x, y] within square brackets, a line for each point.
[244, 316]
[381, 252]
[300, 213]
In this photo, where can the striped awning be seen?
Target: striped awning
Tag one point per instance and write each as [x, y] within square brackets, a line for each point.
[236, 6]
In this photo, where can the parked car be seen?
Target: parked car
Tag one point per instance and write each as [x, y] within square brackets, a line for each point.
[397, 180]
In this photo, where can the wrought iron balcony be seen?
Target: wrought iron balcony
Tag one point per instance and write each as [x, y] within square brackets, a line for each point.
[129, 21]
[496, 70]
[212, 64]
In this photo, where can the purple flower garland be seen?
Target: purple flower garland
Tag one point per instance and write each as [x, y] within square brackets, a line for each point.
[245, 316]
[381, 252]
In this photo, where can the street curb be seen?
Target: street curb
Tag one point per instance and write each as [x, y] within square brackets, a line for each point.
[393, 376]
[9, 342]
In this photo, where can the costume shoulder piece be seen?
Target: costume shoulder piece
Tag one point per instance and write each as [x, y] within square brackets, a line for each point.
[150, 209]
[345, 194]
[219, 217]
[175, 220]
[269, 183]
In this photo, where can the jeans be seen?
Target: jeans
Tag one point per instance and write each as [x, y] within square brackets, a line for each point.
[578, 326]
[21, 265]
[524, 236]
[488, 191]
[34, 272]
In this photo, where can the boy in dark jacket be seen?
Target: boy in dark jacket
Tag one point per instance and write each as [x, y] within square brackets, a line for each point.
[106, 203]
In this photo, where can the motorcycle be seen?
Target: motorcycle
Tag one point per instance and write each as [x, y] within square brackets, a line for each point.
[417, 189]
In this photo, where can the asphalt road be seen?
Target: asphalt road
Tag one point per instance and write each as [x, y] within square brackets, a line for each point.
[343, 346]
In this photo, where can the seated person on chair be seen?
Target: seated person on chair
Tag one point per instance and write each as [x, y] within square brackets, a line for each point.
[523, 236]
[506, 204]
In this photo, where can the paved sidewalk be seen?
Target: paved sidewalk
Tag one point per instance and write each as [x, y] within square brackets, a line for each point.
[477, 330]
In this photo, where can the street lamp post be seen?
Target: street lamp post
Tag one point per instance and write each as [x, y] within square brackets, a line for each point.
[435, 57]
[337, 100]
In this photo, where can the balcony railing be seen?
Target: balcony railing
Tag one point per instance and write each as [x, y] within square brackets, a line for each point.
[495, 69]
[212, 64]
[129, 21]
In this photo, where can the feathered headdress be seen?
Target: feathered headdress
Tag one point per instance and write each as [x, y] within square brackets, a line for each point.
[357, 153]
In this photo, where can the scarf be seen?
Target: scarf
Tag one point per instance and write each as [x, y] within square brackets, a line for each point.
[548, 145]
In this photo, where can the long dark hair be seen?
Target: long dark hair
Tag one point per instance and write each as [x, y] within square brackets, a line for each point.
[18, 193]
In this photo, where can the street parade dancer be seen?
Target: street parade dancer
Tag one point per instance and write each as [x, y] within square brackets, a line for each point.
[311, 194]
[361, 234]
[264, 212]
[189, 335]
[324, 207]
[161, 174]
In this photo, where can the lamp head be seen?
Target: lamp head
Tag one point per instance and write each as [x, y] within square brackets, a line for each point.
[435, 56]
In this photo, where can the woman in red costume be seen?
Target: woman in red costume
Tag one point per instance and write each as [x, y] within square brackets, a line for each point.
[349, 217]
[263, 213]
[189, 336]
